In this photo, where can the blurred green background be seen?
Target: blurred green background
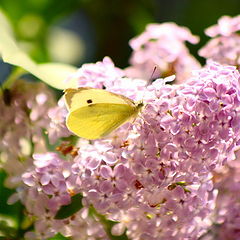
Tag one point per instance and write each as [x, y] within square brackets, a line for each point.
[80, 31]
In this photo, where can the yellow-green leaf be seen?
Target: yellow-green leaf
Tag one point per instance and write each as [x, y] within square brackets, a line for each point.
[54, 74]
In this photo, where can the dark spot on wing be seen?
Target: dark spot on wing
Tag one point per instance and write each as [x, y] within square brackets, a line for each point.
[89, 101]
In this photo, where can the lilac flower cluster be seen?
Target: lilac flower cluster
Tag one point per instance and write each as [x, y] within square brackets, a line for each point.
[21, 127]
[51, 185]
[163, 46]
[98, 75]
[105, 75]
[172, 173]
[160, 174]
[225, 46]
[57, 127]
[226, 213]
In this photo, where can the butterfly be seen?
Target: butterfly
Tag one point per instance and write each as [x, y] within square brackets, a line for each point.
[94, 113]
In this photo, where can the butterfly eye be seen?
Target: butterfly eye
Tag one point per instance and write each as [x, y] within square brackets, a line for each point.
[89, 101]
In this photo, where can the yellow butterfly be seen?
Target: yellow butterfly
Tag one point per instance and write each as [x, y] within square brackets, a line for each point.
[94, 113]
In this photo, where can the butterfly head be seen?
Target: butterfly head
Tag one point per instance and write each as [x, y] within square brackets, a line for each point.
[139, 105]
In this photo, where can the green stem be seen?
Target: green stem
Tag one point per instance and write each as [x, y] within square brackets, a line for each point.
[15, 74]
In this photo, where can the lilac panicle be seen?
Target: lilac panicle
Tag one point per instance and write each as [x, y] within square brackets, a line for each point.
[226, 27]
[105, 75]
[155, 177]
[24, 117]
[224, 47]
[227, 210]
[57, 126]
[50, 185]
[162, 46]
[98, 75]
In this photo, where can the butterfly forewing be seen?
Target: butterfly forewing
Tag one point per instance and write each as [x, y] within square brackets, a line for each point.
[81, 97]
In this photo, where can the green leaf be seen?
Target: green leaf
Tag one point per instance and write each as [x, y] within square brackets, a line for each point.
[11, 211]
[69, 210]
[50, 147]
[58, 236]
[107, 224]
[11, 216]
[6, 229]
[5, 23]
[54, 74]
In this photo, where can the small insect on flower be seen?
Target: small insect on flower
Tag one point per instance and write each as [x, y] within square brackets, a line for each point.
[94, 113]
[66, 148]
[7, 97]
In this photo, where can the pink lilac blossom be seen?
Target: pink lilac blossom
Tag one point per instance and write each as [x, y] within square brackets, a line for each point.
[155, 176]
[50, 185]
[163, 46]
[57, 127]
[99, 74]
[227, 212]
[225, 45]
[226, 27]
[21, 126]
[105, 75]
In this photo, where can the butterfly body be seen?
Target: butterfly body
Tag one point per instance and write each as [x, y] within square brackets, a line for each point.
[94, 113]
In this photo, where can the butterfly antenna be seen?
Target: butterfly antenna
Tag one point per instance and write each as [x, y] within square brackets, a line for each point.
[151, 78]
[144, 93]
[149, 81]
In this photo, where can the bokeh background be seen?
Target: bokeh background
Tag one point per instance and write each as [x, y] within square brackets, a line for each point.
[80, 31]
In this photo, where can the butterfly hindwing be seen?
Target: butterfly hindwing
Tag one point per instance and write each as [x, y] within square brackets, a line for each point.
[97, 120]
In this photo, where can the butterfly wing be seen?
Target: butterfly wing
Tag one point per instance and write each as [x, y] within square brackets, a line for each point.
[97, 120]
[81, 97]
